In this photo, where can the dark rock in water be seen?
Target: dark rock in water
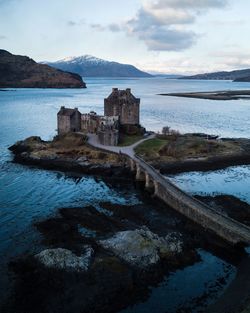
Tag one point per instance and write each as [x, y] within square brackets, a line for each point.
[64, 259]
[109, 280]
[27, 145]
[141, 247]
[22, 72]
[230, 206]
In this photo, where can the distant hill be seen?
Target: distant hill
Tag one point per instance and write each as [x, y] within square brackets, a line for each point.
[90, 66]
[237, 75]
[243, 79]
[167, 76]
[22, 72]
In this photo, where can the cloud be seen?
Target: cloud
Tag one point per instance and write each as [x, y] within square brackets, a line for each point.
[76, 23]
[114, 27]
[163, 24]
[165, 39]
[97, 27]
[2, 37]
[233, 59]
[187, 65]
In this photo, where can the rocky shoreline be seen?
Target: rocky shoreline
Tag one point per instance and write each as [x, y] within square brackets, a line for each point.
[69, 153]
[202, 164]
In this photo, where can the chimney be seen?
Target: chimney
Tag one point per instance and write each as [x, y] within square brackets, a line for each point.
[114, 89]
[128, 90]
[62, 107]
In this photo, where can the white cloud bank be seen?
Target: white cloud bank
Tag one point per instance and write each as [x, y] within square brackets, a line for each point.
[163, 24]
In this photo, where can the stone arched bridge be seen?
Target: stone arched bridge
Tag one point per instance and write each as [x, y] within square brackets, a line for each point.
[225, 227]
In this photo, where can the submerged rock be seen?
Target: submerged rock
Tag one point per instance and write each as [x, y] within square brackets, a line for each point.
[141, 247]
[65, 259]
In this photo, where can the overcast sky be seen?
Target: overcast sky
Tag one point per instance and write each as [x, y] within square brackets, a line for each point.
[172, 36]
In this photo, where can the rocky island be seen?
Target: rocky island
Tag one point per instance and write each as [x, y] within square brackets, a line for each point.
[22, 72]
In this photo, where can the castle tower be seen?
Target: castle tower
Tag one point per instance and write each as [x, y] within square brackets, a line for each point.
[124, 104]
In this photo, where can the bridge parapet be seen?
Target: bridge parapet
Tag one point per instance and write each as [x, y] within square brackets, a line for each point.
[140, 173]
[224, 226]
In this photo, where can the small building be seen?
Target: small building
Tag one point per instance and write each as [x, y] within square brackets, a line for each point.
[124, 104]
[68, 120]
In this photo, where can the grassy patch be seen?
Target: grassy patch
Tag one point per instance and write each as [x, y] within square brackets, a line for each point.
[127, 140]
[179, 147]
[150, 148]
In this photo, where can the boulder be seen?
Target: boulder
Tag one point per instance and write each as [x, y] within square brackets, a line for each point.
[64, 259]
[141, 247]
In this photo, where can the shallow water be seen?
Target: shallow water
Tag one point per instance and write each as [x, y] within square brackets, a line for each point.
[233, 180]
[178, 289]
[28, 194]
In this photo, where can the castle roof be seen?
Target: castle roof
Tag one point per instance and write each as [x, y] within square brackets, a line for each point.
[67, 111]
[117, 94]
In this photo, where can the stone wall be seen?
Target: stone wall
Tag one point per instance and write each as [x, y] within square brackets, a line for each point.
[90, 122]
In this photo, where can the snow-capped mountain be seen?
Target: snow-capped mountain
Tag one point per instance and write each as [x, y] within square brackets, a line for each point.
[90, 66]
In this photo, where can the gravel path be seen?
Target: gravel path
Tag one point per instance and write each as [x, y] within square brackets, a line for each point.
[128, 150]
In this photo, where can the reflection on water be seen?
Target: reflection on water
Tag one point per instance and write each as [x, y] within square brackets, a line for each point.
[178, 289]
[232, 181]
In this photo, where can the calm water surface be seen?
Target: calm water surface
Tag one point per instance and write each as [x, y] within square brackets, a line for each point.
[28, 194]
[234, 181]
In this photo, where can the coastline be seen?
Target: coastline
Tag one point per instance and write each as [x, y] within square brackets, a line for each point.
[203, 164]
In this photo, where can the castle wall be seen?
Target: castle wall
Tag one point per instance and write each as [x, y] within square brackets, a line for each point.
[123, 104]
[130, 113]
[69, 123]
[108, 137]
[63, 124]
[90, 123]
[75, 121]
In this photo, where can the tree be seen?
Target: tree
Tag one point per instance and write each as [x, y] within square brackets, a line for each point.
[165, 130]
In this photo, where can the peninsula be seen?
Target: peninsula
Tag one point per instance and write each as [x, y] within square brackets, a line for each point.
[22, 72]
[213, 95]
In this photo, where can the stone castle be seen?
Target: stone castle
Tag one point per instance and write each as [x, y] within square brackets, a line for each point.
[121, 114]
